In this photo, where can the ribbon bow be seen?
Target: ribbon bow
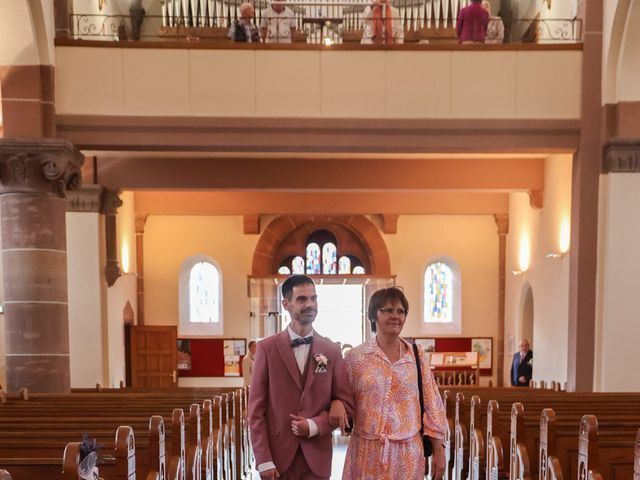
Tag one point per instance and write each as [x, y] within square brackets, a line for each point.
[301, 341]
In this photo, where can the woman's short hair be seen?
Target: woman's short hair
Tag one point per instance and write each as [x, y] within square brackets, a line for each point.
[383, 297]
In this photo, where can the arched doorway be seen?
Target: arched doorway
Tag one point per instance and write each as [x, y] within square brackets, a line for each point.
[526, 314]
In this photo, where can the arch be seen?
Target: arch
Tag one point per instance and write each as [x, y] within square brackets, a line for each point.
[271, 242]
[615, 60]
[526, 313]
[128, 315]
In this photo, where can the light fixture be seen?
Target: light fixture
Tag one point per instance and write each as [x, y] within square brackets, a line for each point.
[564, 239]
[515, 273]
[524, 253]
[555, 255]
[327, 41]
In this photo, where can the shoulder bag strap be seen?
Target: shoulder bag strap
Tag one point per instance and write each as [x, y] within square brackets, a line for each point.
[417, 356]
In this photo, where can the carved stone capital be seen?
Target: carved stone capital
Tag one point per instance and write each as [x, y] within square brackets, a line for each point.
[112, 272]
[111, 202]
[140, 222]
[87, 198]
[622, 156]
[40, 165]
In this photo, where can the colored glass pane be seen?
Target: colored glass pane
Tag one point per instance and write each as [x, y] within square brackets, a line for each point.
[344, 266]
[284, 270]
[313, 259]
[298, 265]
[438, 289]
[329, 256]
[203, 293]
[358, 270]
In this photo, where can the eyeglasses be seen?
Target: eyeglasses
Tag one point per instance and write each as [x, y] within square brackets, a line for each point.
[401, 312]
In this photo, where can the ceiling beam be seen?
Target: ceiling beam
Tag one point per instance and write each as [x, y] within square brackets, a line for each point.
[302, 174]
[325, 203]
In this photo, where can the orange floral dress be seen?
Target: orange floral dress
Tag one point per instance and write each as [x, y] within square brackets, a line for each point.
[386, 443]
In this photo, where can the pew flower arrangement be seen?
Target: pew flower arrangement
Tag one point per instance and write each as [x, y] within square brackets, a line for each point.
[88, 466]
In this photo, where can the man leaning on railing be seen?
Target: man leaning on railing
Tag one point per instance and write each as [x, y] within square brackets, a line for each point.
[278, 23]
[243, 29]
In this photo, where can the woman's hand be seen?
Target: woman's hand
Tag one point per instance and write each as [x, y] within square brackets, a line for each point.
[438, 462]
[338, 415]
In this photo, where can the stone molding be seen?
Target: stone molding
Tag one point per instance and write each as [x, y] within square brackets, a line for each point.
[87, 198]
[111, 202]
[622, 156]
[40, 165]
[502, 222]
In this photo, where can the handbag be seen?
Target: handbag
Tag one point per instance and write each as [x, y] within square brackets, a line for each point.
[426, 441]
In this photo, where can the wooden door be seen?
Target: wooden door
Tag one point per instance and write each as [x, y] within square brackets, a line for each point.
[154, 356]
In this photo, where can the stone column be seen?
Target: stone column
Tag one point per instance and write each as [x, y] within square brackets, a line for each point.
[110, 204]
[502, 222]
[141, 220]
[34, 176]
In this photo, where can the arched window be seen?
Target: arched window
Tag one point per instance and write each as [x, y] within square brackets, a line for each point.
[284, 270]
[313, 259]
[329, 254]
[321, 257]
[298, 265]
[200, 297]
[442, 297]
[344, 265]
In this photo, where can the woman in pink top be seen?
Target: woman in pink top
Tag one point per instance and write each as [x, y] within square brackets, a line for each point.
[386, 442]
[472, 23]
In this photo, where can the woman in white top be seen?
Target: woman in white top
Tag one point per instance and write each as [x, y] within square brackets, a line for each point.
[495, 29]
[382, 24]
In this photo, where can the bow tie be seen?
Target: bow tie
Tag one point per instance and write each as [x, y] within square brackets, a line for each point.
[301, 341]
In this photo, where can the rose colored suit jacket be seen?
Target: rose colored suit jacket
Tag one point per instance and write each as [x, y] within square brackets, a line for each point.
[277, 390]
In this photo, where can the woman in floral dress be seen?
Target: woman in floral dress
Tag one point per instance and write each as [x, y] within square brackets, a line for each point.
[386, 442]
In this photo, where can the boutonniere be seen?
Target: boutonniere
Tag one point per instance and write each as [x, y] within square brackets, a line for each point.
[530, 362]
[321, 363]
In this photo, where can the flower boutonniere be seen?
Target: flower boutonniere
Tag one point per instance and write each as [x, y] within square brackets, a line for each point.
[530, 362]
[321, 363]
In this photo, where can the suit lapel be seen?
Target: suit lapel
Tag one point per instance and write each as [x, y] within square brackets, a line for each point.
[288, 358]
[316, 347]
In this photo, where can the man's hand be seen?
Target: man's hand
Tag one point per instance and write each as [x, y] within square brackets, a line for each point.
[299, 426]
[438, 461]
[338, 415]
[521, 379]
[270, 474]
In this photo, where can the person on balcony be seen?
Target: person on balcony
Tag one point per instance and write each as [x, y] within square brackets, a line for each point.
[382, 24]
[495, 29]
[278, 23]
[243, 29]
[472, 23]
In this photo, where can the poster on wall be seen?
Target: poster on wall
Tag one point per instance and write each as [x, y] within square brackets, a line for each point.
[232, 365]
[428, 344]
[184, 354]
[235, 347]
[484, 347]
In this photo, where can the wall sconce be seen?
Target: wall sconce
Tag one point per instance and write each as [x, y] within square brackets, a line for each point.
[515, 273]
[125, 258]
[524, 254]
[564, 239]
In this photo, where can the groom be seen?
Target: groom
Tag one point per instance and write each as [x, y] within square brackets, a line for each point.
[296, 375]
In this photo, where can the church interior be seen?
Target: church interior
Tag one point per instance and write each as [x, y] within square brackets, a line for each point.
[155, 193]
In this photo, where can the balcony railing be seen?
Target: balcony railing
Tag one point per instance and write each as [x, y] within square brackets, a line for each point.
[316, 22]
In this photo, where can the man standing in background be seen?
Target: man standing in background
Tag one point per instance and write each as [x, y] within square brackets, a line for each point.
[522, 366]
[247, 363]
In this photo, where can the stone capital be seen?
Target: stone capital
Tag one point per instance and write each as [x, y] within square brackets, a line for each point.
[140, 221]
[39, 165]
[111, 202]
[502, 222]
[87, 198]
[622, 156]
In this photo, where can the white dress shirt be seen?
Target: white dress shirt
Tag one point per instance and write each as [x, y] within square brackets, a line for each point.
[301, 353]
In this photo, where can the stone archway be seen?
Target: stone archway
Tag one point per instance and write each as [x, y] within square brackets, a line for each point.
[265, 254]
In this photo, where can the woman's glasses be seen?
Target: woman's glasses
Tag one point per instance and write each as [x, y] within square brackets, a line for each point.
[401, 312]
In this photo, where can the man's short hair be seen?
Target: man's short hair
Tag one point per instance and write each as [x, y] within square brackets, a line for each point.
[382, 297]
[251, 344]
[244, 6]
[294, 281]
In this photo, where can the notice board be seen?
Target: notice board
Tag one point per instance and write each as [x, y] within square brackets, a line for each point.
[211, 357]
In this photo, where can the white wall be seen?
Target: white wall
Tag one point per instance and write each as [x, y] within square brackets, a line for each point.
[548, 277]
[629, 67]
[26, 32]
[414, 84]
[472, 241]
[122, 291]
[85, 267]
[169, 240]
[618, 319]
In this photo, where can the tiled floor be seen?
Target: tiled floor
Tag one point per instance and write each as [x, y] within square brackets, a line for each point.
[339, 453]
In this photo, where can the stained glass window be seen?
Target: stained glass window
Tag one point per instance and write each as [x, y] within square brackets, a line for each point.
[298, 265]
[358, 270]
[329, 255]
[344, 266]
[313, 259]
[438, 290]
[203, 293]
[284, 270]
